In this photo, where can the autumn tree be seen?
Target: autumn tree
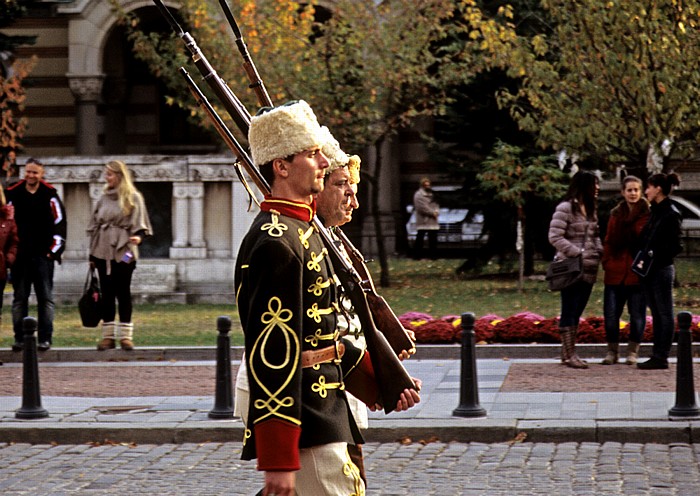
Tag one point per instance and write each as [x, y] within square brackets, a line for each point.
[612, 81]
[12, 92]
[368, 68]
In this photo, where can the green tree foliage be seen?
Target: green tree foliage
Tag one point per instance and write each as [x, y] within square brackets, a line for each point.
[368, 68]
[610, 80]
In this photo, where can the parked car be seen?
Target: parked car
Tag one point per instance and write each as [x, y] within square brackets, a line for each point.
[691, 216]
[459, 228]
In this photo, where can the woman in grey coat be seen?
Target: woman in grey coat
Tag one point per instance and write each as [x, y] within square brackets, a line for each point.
[573, 231]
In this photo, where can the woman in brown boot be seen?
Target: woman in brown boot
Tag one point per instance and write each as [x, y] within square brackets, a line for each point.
[118, 225]
[573, 231]
[622, 285]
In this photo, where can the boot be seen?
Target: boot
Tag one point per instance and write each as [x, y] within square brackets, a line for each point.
[632, 353]
[568, 343]
[126, 334]
[613, 354]
[107, 343]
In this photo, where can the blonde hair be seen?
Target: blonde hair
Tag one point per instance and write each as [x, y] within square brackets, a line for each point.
[3, 200]
[126, 188]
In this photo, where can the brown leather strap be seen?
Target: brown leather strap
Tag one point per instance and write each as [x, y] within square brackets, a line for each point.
[310, 358]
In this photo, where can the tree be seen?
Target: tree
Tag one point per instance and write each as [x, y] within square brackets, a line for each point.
[612, 82]
[515, 180]
[367, 68]
[12, 92]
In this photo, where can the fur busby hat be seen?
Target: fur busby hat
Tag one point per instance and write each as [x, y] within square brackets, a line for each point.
[331, 149]
[283, 131]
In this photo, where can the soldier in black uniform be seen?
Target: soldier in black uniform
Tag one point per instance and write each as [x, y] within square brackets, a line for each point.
[298, 421]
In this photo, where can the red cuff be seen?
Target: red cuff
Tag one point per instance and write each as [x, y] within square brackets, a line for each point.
[277, 446]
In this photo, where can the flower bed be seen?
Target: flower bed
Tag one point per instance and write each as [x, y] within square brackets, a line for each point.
[524, 327]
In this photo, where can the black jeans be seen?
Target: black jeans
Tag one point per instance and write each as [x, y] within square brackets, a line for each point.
[116, 287]
[34, 271]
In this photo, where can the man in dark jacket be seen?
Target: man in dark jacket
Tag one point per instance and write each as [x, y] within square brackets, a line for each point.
[41, 226]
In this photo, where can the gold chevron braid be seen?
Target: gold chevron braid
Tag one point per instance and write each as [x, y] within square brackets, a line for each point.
[275, 319]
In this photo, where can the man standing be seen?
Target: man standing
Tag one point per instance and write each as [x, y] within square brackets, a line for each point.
[41, 227]
[298, 423]
[427, 211]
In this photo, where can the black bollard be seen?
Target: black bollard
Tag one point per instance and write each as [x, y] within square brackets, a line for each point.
[685, 406]
[223, 401]
[31, 395]
[468, 386]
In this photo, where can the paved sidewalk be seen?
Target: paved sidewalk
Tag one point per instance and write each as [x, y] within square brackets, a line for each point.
[537, 417]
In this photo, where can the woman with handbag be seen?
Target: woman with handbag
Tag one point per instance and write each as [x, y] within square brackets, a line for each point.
[118, 225]
[573, 232]
[622, 285]
[661, 239]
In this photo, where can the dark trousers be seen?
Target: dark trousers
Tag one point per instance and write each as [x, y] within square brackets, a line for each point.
[432, 243]
[658, 287]
[34, 271]
[116, 288]
[614, 299]
[573, 302]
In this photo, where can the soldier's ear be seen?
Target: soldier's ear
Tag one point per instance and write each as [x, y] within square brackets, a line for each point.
[280, 167]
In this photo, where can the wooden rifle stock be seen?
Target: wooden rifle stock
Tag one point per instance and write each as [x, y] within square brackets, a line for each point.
[391, 375]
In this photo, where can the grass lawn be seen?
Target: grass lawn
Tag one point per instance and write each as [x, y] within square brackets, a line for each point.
[423, 286]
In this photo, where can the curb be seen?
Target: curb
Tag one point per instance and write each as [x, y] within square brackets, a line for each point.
[444, 430]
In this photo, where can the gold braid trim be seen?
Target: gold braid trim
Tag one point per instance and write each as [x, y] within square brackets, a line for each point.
[322, 388]
[275, 319]
[315, 313]
[304, 236]
[318, 336]
[315, 262]
[317, 287]
[351, 470]
[274, 228]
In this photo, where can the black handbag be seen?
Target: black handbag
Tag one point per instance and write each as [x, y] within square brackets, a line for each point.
[644, 259]
[564, 272]
[90, 303]
[642, 263]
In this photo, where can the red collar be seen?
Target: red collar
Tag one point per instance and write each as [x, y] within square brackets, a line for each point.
[296, 210]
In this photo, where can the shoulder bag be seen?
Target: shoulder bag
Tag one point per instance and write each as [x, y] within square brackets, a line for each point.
[90, 303]
[564, 272]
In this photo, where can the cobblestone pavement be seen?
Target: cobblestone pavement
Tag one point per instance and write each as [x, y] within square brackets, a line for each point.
[394, 469]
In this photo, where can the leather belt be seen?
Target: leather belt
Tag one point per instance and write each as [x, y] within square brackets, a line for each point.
[310, 358]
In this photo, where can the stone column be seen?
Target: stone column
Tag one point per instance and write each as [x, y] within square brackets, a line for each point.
[197, 215]
[188, 221]
[86, 90]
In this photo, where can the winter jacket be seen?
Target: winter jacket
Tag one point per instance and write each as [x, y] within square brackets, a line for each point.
[8, 242]
[40, 219]
[662, 234]
[567, 231]
[427, 210]
[109, 228]
[622, 241]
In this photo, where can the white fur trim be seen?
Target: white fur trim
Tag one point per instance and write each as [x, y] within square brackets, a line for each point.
[331, 149]
[283, 131]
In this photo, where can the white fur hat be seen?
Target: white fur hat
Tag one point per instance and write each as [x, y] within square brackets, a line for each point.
[283, 131]
[331, 149]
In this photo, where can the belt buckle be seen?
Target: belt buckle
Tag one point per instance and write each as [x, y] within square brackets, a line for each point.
[337, 358]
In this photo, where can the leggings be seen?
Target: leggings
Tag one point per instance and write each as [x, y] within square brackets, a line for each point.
[116, 287]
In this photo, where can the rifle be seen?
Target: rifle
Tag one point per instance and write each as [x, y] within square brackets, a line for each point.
[354, 273]
[390, 326]
[391, 376]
